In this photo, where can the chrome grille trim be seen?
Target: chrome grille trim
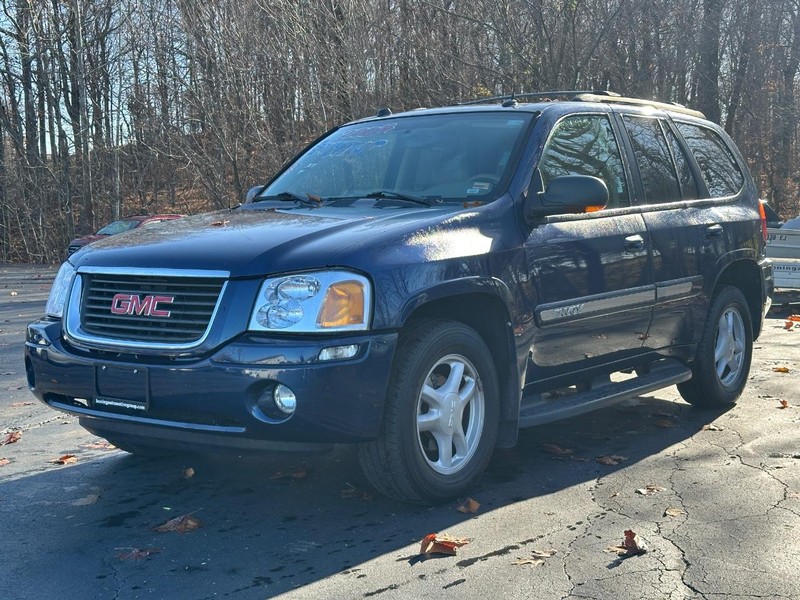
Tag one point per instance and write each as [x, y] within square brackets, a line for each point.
[120, 331]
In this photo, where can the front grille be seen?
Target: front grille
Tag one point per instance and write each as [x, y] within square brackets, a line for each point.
[193, 302]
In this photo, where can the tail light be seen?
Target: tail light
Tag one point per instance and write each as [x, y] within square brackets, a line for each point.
[763, 221]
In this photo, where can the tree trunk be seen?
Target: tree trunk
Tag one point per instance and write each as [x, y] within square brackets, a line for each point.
[708, 69]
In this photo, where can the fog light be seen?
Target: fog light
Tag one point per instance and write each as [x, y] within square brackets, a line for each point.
[338, 352]
[284, 399]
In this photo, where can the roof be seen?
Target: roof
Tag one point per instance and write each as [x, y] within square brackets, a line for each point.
[545, 99]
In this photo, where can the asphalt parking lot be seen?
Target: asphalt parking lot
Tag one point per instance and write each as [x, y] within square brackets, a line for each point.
[715, 496]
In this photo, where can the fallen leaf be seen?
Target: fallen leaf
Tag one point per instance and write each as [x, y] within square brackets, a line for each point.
[472, 204]
[534, 562]
[632, 545]
[433, 543]
[100, 446]
[4, 462]
[137, 553]
[470, 506]
[784, 404]
[182, 524]
[793, 495]
[351, 491]
[781, 369]
[86, 500]
[556, 449]
[611, 460]
[11, 438]
[788, 325]
[18, 404]
[544, 553]
[188, 473]
[649, 490]
[221, 223]
[665, 423]
[66, 459]
[711, 427]
[674, 512]
[293, 473]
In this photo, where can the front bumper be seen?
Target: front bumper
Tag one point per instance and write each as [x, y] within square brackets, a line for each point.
[219, 401]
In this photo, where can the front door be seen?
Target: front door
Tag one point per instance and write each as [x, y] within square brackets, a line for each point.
[591, 272]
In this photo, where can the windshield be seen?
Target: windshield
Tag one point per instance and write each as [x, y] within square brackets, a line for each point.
[119, 226]
[456, 156]
[792, 224]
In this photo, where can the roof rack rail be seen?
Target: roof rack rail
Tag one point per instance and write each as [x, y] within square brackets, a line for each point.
[616, 98]
[511, 99]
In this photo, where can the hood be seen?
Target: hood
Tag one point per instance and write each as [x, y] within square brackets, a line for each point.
[252, 241]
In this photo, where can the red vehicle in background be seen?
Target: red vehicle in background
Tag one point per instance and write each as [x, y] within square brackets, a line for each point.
[120, 226]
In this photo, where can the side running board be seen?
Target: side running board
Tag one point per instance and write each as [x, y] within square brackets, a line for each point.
[536, 409]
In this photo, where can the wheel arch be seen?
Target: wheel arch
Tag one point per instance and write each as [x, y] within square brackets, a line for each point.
[483, 309]
[745, 274]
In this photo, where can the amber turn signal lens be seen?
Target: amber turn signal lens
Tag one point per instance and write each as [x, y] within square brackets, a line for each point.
[343, 305]
[763, 214]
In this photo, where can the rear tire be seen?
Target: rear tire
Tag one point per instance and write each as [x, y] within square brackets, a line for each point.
[722, 364]
[441, 416]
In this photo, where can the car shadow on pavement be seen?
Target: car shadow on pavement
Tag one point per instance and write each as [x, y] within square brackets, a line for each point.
[270, 526]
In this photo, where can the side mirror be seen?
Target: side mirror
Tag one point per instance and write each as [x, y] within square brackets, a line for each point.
[568, 194]
[252, 193]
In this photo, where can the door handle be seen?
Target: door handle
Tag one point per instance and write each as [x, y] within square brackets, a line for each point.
[714, 231]
[633, 243]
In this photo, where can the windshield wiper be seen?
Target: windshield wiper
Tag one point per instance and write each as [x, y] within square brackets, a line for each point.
[389, 195]
[287, 196]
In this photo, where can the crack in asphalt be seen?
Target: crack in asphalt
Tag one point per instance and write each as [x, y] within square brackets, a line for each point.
[735, 454]
[39, 424]
[687, 564]
[587, 525]
[117, 579]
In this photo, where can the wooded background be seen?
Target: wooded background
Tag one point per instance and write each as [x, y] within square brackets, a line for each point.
[114, 107]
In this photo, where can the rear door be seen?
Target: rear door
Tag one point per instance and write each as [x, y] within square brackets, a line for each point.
[688, 229]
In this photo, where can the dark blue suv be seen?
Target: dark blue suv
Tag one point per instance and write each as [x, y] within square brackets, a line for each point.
[423, 284]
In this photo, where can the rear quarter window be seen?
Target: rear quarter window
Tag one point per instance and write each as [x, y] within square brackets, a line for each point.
[717, 165]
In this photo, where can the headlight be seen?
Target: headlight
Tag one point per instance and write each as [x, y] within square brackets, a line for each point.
[60, 290]
[313, 302]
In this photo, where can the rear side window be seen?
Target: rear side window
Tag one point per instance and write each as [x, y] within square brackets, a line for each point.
[720, 171]
[585, 145]
[688, 183]
[656, 167]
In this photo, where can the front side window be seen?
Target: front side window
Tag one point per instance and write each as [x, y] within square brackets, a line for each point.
[720, 171]
[585, 145]
[449, 157]
[653, 157]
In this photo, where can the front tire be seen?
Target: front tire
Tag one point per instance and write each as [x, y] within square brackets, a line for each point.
[441, 415]
[722, 364]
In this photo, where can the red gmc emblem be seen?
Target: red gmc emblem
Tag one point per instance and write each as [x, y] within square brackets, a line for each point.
[133, 304]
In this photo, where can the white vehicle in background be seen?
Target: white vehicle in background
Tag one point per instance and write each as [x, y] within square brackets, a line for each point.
[783, 247]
